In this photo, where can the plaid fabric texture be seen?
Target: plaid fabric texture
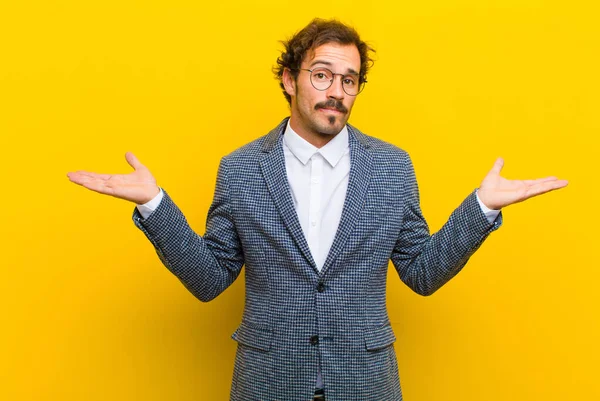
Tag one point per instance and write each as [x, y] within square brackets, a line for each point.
[296, 317]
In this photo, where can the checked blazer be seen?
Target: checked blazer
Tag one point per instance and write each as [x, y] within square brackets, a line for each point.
[296, 317]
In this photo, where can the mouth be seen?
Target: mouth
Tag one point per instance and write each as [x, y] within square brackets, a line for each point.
[331, 110]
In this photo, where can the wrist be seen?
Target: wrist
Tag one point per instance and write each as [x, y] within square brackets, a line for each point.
[150, 196]
[484, 200]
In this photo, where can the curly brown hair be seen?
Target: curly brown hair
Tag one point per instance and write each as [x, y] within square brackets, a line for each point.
[319, 32]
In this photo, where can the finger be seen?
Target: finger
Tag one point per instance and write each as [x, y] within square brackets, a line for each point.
[540, 180]
[544, 187]
[497, 167]
[90, 182]
[80, 176]
[133, 161]
[89, 175]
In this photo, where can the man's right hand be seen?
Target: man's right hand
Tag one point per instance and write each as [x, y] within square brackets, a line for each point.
[138, 187]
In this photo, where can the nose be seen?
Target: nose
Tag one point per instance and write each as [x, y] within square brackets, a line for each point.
[336, 91]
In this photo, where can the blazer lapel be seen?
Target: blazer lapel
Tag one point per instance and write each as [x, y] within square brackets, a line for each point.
[358, 182]
[274, 172]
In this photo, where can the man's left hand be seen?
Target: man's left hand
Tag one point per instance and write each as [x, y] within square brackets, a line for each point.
[497, 192]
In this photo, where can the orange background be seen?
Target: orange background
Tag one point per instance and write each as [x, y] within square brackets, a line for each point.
[89, 313]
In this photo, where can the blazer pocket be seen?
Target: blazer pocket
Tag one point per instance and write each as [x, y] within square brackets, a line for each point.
[254, 336]
[379, 337]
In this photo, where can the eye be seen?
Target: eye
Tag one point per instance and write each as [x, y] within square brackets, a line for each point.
[349, 81]
[321, 75]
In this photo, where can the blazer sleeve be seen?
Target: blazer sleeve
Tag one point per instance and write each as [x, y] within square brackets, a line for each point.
[425, 263]
[206, 265]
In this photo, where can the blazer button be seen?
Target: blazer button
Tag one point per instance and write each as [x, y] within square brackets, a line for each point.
[321, 286]
[314, 340]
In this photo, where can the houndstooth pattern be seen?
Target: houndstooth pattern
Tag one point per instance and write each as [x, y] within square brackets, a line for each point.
[252, 222]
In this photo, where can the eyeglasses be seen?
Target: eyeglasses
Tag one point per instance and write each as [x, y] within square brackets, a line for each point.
[322, 78]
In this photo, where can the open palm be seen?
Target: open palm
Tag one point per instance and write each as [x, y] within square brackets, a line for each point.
[497, 192]
[138, 186]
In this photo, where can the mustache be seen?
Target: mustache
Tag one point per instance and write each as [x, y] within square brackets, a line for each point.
[332, 104]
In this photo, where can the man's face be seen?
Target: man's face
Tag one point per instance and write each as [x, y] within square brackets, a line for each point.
[322, 113]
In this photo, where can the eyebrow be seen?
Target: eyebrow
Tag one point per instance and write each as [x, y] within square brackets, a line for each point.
[327, 63]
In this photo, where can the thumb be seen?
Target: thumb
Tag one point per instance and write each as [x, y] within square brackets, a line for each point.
[498, 164]
[133, 161]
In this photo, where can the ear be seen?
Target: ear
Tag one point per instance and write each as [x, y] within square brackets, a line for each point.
[289, 83]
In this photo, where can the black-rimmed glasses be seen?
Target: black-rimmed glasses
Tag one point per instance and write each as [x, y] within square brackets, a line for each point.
[322, 78]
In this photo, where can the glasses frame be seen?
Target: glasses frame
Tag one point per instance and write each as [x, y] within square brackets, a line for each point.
[361, 83]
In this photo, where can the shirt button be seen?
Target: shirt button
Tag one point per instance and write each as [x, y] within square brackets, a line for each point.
[314, 180]
[314, 340]
[313, 223]
[321, 287]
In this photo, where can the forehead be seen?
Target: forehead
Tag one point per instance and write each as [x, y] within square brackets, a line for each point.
[344, 58]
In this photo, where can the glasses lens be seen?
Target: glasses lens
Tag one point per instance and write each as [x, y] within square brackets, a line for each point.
[351, 84]
[321, 78]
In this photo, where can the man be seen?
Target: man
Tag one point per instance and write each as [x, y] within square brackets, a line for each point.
[315, 210]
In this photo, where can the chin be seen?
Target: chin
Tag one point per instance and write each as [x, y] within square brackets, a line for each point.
[328, 128]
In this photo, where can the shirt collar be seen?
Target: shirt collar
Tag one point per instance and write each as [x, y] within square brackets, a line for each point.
[303, 150]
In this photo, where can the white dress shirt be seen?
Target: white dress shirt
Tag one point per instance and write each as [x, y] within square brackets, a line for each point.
[318, 179]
